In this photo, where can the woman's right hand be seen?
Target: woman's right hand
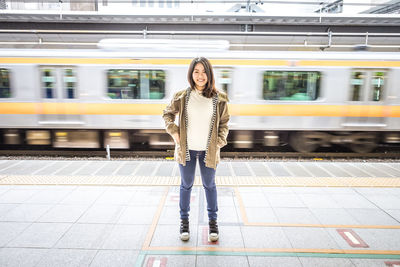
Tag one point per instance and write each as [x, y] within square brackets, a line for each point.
[176, 138]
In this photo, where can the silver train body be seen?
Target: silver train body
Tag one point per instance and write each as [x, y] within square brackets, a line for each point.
[305, 99]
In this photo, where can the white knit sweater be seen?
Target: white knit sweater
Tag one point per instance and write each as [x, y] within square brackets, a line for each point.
[200, 111]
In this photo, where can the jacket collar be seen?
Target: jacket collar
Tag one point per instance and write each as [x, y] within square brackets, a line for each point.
[222, 97]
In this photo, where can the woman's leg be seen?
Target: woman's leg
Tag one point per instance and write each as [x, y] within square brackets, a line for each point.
[208, 178]
[187, 180]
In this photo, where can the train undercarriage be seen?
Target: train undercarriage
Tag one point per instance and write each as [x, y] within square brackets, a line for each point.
[148, 139]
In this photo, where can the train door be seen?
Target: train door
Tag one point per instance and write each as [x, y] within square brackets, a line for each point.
[223, 79]
[59, 102]
[366, 99]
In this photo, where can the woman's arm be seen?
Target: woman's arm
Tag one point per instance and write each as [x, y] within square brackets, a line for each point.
[169, 115]
[223, 129]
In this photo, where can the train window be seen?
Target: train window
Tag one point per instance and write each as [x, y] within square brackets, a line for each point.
[378, 79]
[357, 83]
[48, 83]
[224, 79]
[69, 83]
[5, 91]
[291, 85]
[136, 84]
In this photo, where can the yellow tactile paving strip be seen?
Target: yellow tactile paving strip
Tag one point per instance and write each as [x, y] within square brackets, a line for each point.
[220, 180]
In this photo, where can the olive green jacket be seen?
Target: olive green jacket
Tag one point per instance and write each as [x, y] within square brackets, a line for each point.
[218, 130]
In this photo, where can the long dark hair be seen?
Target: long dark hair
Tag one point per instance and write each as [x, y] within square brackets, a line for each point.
[209, 90]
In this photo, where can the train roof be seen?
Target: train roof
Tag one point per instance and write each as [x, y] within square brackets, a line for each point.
[228, 54]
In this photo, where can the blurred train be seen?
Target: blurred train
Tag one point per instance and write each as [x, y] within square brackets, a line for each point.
[95, 98]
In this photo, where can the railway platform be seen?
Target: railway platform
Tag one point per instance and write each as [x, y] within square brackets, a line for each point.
[271, 213]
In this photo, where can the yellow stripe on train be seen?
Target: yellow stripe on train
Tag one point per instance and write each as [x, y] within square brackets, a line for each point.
[180, 61]
[235, 109]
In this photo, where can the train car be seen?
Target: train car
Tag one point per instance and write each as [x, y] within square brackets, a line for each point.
[94, 98]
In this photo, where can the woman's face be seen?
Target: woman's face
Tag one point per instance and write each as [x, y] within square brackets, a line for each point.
[199, 76]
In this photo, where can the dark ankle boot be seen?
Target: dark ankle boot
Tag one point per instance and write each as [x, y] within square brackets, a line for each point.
[184, 230]
[213, 234]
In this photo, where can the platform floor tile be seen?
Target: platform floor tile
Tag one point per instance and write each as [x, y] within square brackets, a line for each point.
[319, 201]
[226, 215]
[258, 168]
[395, 213]
[4, 208]
[50, 167]
[115, 197]
[126, 237]
[10, 230]
[11, 166]
[372, 262]
[165, 169]
[271, 190]
[393, 191]
[265, 237]
[354, 169]
[385, 201]
[115, 258]
[340, 190]
[255, 199]
[316, 170]
[376, 170]
[295, 215]
[366, 191]
[11, 257]
[137, 215]
[309, 190]
[67, 257]
[90, 168]
[49, 197]
[143, 198]
[99, 213]
[288, 200]
[226, 200]
[40, 235]
[63, 213]
[29, 166]
[372, 217]
[325, 262]
[17, 196]
[85, 236]
[335, 169]
[26, 213]
[274, 261]
[353, 201]
[334, 216]
[264, 215]
[3, 190]
[301, 237]
[222, 261]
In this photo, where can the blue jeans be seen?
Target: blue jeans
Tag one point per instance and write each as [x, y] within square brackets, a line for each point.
[187, 180]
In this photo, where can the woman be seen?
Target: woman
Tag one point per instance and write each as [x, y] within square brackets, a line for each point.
[202, 131]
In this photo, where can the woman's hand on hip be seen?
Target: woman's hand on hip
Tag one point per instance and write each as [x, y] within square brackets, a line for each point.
[176, 138]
